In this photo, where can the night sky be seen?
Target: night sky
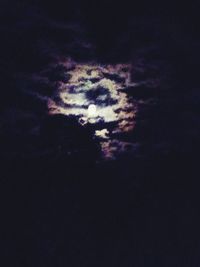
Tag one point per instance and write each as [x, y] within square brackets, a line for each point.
[99, 133]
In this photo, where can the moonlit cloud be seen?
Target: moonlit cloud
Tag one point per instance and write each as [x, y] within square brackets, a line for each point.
[100, 87]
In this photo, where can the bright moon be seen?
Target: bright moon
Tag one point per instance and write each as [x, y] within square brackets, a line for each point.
[92, 110]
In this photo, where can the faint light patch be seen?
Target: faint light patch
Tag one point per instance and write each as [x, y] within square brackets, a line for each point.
[95, 95]
[112, 149]
[104, 133]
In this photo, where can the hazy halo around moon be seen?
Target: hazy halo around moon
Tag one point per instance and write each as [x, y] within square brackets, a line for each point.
[96, 95]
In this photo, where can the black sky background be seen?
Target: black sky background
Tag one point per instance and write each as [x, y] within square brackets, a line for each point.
[141, 210]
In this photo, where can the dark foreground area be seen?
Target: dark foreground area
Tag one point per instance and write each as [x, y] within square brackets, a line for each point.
[140, 212]
[61, 205]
